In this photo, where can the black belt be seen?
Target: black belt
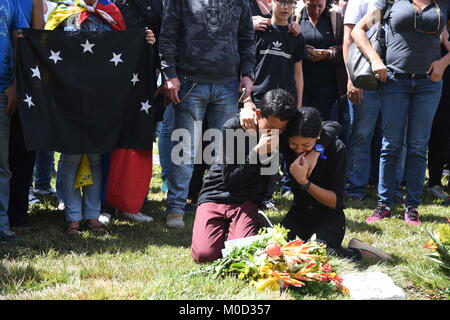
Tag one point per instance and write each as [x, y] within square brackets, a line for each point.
[410, 75]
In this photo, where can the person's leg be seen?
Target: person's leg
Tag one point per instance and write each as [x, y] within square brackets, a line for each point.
[196, 183]
[209, 232]
[21, 163]
[92, 195]
[72, 196]
[359, 152]
[5, 173]
[59, 192]
[243, 220]
[165, 143]
[424, 103]
[189, 116]
[43, 172]
[395, 95]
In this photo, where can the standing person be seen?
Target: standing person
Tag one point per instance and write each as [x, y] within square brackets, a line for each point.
[21, 160]
[11, 21]
[139, 14]
[324, 70]
[203, 77]
[318, 206]
[411, 88]
[440, 135]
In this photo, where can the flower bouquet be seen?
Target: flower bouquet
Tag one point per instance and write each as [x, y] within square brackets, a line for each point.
[440, 244]
[271, 262]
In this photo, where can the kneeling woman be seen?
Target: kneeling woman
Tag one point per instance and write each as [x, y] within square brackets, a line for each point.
[319, 199]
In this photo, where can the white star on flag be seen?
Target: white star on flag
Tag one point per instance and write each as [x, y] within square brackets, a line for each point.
[145, 106]
[28, 101]
[135, 78]
[116, 58]
[55, 56]
[36, 72]
[87, 46]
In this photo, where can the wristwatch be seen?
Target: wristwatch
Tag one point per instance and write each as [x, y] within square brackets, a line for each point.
[306, 186]
[320, 149]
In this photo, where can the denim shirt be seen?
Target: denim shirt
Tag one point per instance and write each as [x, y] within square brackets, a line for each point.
[92, 23]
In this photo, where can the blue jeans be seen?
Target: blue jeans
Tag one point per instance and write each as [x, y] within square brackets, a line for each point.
[43, 169]
[408, 108]
[81, 206]
[219, 102]
[165, 144]
[5, 173]
[360, 151]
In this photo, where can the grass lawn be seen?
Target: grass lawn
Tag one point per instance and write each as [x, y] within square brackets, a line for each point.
[148, 261]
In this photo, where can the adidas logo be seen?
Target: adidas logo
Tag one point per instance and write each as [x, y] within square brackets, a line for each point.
[277, 44]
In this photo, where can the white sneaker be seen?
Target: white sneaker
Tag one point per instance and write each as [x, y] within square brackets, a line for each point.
[32, 199]
[438, 193]
[174, 220]
[104, 218]
[138, 217]
[61, 206]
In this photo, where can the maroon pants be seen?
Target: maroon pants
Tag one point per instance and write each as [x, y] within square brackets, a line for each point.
[216, 223]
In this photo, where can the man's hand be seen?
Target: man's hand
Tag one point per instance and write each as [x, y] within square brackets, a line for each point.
[299, 170]
[261, 23]
[150, 37]
[11, 93]
[267, 143]
[171, 88]
[248, 117]
[354, 94]
[246, 83]
[310, 159]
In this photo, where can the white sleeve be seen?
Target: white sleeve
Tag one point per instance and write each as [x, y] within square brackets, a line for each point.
[353, 13]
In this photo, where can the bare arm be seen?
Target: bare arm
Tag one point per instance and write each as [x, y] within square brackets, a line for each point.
[299, 84]
[353, 93]
[38, 15]
[359, 36]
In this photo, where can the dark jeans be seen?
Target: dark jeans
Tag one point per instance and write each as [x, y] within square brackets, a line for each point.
[329, 231]
[21, 163]
[439, 144]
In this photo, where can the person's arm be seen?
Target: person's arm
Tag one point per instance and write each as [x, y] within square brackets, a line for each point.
[359, 36]
[299, 84]
[246, 49]
[437, 68]
[298, 170]
[168, 48]
[353, 93]
[38, 15]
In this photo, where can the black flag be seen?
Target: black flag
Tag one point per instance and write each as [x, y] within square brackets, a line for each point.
[86, 92]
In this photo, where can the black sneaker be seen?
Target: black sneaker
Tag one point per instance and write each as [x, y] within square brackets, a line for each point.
[264, 220]
[7, 236]
[269, 205]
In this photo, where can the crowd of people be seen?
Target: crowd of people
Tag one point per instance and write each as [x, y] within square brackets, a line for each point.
[275, 70]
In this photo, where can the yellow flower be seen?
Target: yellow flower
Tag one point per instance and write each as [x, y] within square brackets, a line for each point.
[270, 283]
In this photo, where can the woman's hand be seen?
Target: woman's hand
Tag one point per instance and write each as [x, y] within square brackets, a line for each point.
[379, 69]
[310, 159]
[261, 23]
[316, 55]
[299, 170]
[294, 28]
[436, 70]
[150, 37]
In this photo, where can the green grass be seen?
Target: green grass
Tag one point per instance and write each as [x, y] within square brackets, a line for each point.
[148, 261]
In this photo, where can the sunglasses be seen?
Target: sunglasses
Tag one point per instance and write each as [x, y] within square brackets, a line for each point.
[418, 21]
[286, 4]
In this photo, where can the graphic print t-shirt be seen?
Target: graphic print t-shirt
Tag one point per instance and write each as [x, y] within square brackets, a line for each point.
[277, 51]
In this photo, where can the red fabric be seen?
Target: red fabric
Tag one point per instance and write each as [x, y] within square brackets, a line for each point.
[215, 223]
[129, 177]
[111, 9]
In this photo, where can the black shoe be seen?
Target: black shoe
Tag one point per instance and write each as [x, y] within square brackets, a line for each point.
[268, 205]
[7, 236]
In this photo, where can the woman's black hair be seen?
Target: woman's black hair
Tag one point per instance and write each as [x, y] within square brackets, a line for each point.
[308, 124]
[278, 103]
